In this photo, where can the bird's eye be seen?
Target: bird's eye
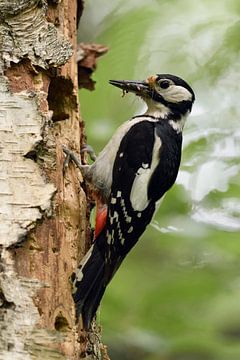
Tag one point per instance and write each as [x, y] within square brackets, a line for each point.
[164, 84]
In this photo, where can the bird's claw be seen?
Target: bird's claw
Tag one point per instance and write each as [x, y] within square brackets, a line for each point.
[67, 158]
[70, 155]
[89, 150]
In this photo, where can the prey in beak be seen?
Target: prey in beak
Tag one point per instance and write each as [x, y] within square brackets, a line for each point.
[140, 88]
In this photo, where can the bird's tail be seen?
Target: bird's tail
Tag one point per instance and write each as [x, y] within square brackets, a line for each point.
[88, 282]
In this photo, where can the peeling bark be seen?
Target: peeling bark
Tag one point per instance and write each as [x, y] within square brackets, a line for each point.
[43, 224]
[25, 32]
[87, 55]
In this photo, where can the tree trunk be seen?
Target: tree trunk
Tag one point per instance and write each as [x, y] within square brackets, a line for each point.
[43, 224]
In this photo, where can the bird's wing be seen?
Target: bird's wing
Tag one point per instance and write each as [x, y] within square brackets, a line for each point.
[129, 208]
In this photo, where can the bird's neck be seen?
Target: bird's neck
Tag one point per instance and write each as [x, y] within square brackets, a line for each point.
[156, 109]
[160, 111]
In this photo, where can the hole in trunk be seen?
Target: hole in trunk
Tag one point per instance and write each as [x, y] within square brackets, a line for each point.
[61, 323]
[61, 99]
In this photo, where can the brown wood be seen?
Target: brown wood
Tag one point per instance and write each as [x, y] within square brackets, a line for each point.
[44, 228]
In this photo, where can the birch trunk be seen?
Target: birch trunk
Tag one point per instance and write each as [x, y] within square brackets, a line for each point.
[43, 224]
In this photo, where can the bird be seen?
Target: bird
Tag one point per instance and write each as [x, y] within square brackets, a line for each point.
[130, 175]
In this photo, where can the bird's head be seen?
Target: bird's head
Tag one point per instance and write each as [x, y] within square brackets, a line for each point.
[164, 94]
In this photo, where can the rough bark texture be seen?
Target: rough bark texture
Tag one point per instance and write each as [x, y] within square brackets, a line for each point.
[43, 222]
[87, 55]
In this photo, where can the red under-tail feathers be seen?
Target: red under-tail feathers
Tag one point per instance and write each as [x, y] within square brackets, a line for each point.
[101, 218]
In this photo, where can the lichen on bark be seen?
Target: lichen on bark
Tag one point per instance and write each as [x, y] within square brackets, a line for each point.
[42, 214]
[25, 32]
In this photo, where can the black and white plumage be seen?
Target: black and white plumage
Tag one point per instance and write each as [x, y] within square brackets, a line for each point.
[135, 169]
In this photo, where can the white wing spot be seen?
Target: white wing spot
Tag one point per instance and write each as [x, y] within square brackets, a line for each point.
[112, 236]
[119, 194]
[145, 166]
[120, 235]
[128, 219]
[122, 241]
[109, 239]
[130, 229]
[115, 215]
[121, 155]
[113, 200]
[139, 192]
[123, 206]
[139, 214]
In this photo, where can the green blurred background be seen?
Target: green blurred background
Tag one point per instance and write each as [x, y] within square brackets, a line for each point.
[177, 295]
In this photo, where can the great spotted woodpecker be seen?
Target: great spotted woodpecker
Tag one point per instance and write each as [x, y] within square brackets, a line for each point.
[134, 170]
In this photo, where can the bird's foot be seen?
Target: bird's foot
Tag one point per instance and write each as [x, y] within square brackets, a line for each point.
[71, 156]
[89, 150]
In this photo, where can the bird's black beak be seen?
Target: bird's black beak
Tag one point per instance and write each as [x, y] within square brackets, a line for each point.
[138, 87]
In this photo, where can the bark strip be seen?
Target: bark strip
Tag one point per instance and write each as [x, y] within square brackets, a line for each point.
[43, 222]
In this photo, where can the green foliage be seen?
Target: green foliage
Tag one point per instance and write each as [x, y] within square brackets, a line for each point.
[177, 295]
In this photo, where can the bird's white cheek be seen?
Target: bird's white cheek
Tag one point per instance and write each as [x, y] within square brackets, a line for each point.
[176, 94]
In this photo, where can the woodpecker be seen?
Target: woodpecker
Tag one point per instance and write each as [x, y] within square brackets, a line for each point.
[134, 170]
